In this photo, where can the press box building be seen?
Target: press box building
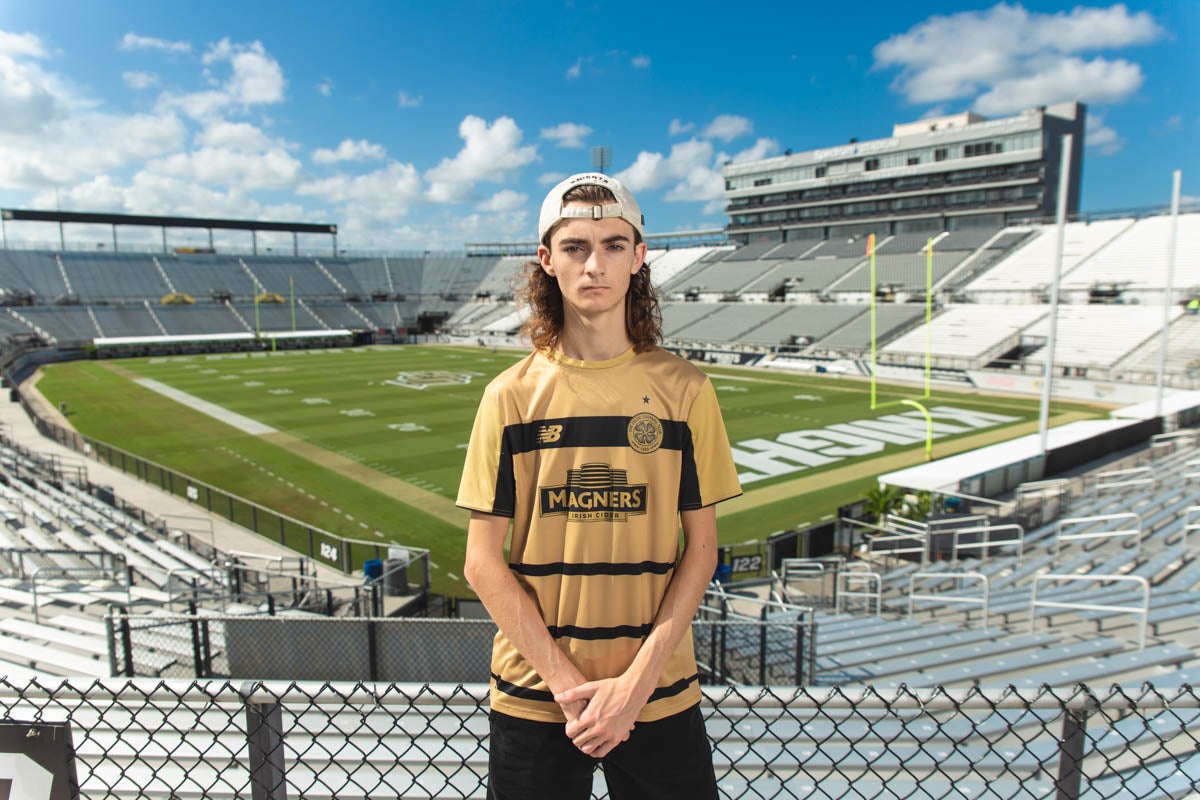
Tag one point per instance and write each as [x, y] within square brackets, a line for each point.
[942, 173]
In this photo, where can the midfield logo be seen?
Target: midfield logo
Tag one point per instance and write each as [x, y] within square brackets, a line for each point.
[594, 493]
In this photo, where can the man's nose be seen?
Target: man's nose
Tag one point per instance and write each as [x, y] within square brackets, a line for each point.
[593, 263]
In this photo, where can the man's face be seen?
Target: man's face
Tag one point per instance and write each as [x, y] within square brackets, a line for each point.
[593, 260]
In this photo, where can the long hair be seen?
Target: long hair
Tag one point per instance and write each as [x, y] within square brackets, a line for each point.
[643, 317]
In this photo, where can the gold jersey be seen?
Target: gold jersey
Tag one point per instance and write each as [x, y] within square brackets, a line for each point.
[593, 461]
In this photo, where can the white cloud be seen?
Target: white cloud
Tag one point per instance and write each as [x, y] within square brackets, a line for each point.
[241, 136]
[763, 148]
[691, 172]
[490, 153]
[407, 100]
[640, 61]
[21, 44]
[728, 127]
[1098, 82]
[382, 196]
[132, 41]
[350, 150]
[1011, 58]
[274, 168]
[139, 80]
[504, 201]
[567, 134]
[1103, 138]
[233, 154]
[154, 193]
[551, 178]
[678, 126]
[325, 86]
[85, 145]
[689, 169]
[257, 77]
[575, 70]
[30, 98]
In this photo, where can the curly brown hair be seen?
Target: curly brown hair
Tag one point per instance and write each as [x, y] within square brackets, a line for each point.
[643, 316]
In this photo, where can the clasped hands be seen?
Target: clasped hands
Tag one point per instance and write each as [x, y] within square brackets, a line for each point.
[600, 714]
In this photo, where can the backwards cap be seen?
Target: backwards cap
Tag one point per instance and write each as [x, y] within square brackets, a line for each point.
[553, 212]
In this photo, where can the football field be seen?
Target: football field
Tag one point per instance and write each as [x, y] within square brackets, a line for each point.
[368, 443]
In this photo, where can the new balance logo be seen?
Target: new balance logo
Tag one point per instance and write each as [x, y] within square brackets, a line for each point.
[549, 433]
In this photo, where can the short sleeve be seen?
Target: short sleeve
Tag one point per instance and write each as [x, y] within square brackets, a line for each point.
[486, 483]
[716, 475]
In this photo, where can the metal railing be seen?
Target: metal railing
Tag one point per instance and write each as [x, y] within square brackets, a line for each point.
[1122, 479]
[163, 739]
[985, 545]
[1135, 532]
[1142, 610]
[1191, 523]
[870, 591]
[958, 578]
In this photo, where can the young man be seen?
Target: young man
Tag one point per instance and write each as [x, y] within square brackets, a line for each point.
[595, 448]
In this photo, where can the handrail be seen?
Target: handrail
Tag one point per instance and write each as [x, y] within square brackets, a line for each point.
[957, 576]
[64, 572]
[923, 538]
[206, 526]
[1124, 478]
[860, 578]
[17, 555]
[1191, 521]
[1059, 536]
[987, 542]
[1143, 611]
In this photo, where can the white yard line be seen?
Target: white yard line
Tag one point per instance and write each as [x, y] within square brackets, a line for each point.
[242, 423]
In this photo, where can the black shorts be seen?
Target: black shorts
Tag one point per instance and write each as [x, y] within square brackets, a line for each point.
[668, 758]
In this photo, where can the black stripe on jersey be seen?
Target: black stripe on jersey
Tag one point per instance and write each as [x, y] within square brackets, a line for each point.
[598, 634]
[678, 687]
[522, 692]
[525, 693]
[525, 437]
[504, 499]
[689, 477]
[563, 568]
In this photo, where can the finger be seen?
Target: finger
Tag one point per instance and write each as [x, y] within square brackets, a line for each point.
[582, 692]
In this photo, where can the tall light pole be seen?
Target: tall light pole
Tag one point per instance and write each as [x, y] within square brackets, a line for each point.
[601, 158]
[1060, 218]
[1176, 180]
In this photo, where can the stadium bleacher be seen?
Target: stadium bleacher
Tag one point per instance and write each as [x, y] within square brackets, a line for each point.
[1024, 276]
[119, 295]
[1136, 262]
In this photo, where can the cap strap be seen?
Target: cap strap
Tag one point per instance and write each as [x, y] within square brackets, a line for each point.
[591, 212]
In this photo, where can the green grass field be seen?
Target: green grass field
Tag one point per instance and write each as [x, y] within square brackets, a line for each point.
[361, 456]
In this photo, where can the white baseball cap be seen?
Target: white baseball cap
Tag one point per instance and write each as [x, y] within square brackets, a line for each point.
[553, 212]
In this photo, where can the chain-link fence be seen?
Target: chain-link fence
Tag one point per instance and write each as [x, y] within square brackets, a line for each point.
[173, 739]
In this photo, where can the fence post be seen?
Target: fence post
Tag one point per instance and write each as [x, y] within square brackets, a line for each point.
[194, 623]
[127, 644]
[762, 647]
[264, 740]
[1070, 754]
[205, 649]
[111, 635]
[373, 649]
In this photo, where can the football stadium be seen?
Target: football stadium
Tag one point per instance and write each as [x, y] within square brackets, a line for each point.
[963, 413]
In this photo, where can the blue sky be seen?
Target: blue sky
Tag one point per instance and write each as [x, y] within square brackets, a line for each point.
[428, 125]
